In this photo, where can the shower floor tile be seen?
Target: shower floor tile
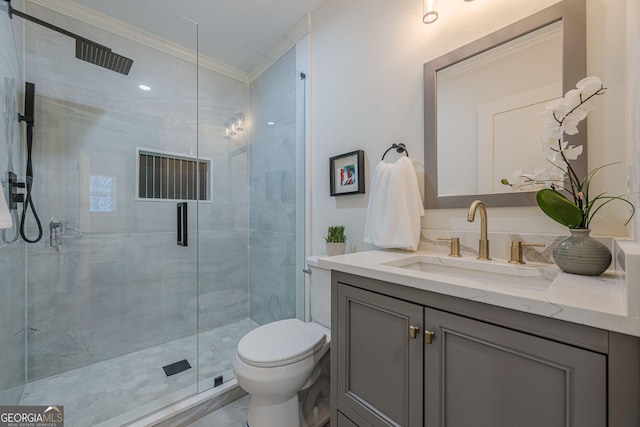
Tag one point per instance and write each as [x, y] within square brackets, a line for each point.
[133, 385]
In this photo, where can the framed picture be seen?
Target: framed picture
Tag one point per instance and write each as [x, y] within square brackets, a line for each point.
[346, 174]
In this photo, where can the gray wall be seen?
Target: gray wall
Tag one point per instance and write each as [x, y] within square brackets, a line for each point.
[12, 259]
[273, 203]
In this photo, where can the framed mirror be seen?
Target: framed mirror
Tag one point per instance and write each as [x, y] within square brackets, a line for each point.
[483, 103]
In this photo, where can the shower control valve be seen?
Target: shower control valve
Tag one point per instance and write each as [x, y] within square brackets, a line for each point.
[14, 196]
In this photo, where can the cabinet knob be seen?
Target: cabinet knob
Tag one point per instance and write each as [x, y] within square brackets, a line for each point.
[428, 337]
[413, 332]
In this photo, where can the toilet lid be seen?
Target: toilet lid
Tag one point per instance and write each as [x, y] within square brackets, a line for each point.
[280, 343]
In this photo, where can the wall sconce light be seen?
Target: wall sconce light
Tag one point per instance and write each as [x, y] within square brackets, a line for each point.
[234, 125]
[429, 13]
[239, 120]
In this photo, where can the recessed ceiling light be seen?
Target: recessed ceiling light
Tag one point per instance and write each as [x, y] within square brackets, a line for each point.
[144, 87]
[271, 123]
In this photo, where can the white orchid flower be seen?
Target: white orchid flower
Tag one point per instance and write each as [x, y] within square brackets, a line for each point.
[565, 115]
[551, 154]
[589, 85]
[551, 133]
[570, 125]
[543, 177]
[541, 173]
[516, 177]
[572, 99]
[519, 180]
[551, 151]
[555, 176]
[556, 109]
[572, 152]
[581, 113]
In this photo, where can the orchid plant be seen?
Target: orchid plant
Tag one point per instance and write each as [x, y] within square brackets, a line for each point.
[577, 209]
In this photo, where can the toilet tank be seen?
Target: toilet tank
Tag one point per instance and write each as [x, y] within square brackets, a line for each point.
[319, 292]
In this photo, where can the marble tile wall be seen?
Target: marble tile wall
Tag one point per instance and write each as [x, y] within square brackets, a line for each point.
[101, 296]
[12, 259]
[12, 331]
[116, 282]
[272, 210]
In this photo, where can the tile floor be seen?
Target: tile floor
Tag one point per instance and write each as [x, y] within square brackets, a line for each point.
[116, 391]
[232, 415]
[235, 413]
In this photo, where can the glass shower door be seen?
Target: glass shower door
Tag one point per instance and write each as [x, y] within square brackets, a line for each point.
[251, 253]
[112, 294]
[12, 262]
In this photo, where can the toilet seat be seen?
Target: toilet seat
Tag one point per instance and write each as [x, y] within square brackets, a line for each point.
[280, 343]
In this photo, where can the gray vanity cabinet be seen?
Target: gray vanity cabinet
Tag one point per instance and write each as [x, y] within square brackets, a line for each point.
[485, 365]
[478, 374]
[380, 355]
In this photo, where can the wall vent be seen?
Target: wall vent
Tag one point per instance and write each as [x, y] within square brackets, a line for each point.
[170, 177]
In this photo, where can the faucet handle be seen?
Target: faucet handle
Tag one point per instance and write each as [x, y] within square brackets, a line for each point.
[454, 249]
[516, 251]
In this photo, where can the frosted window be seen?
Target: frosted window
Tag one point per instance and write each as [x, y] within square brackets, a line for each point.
[102, 193]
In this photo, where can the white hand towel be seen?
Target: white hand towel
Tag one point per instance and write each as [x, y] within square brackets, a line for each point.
[376, 211]
[5, 216]
[395, 206]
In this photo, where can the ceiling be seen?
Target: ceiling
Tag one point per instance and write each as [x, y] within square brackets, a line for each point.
[239, 33]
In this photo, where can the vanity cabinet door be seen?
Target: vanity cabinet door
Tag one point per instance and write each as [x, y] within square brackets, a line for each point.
[380, 367]
[479, 374]
[343, 421]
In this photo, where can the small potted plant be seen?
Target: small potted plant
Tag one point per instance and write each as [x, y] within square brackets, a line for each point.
[335, 240]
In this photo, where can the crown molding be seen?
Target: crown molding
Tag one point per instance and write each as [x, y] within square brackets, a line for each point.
[306, 25]
[325, 12]
[283, 47]
[107, 23]
[295, 33]
[300, 28]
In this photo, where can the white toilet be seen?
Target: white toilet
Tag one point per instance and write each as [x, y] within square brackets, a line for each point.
[277, 360]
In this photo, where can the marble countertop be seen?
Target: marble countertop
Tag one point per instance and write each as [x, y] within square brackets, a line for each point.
[601, 302]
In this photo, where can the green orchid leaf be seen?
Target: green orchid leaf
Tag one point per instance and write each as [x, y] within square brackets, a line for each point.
[609, 199]
[586, 183]
[559, 208]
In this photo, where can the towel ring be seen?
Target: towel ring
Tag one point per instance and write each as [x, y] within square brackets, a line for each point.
[400, 148]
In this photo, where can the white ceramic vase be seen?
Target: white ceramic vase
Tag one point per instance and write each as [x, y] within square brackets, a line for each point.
[335, 248]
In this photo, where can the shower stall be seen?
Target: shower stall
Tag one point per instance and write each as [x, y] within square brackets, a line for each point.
[171, 200]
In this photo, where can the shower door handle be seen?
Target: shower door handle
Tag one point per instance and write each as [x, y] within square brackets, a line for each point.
[183, 230]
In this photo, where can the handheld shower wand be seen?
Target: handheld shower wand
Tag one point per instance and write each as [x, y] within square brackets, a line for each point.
[15, 197]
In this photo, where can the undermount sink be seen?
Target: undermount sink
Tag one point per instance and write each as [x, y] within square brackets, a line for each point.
[498, 272]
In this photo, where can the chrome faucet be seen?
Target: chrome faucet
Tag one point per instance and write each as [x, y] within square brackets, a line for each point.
[483, 248]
